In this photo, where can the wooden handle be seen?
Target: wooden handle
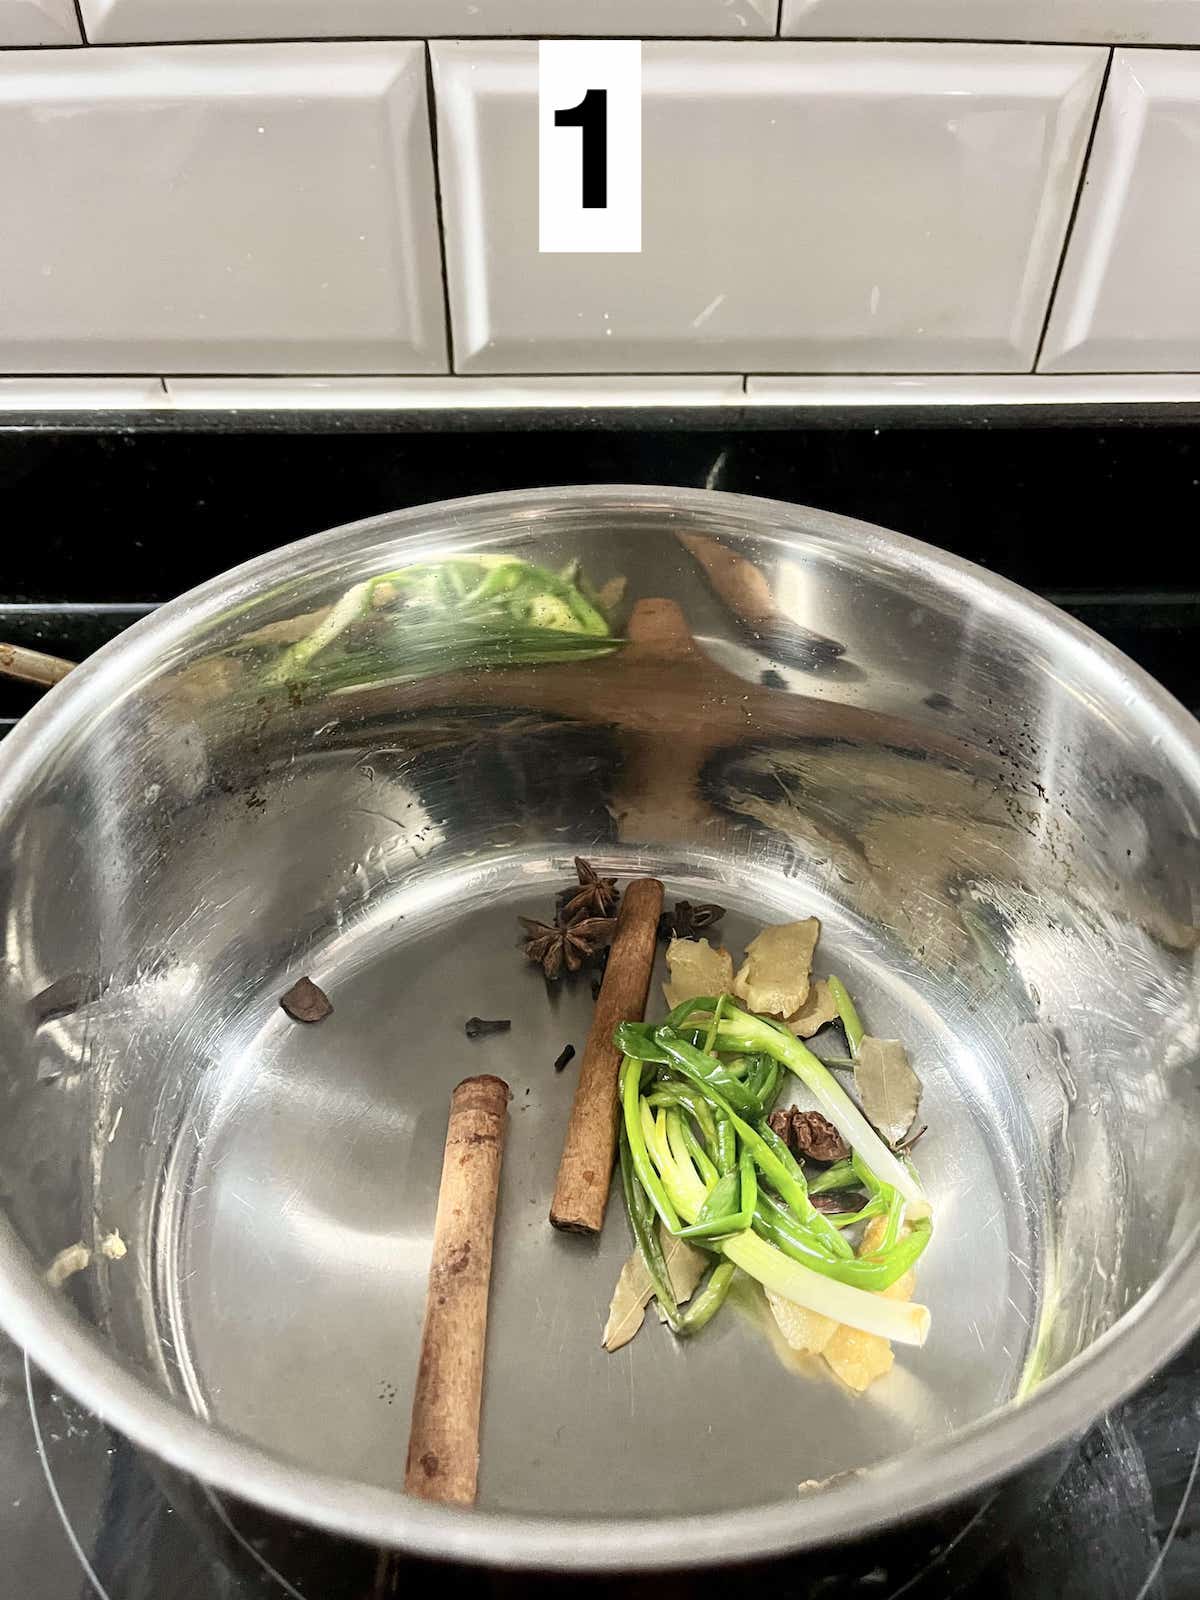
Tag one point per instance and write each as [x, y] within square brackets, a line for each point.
[585, 1171]
[32, 666]
[751, 600]
[739, 582]
[443, 1442]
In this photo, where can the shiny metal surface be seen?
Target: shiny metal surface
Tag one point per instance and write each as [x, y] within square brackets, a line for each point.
[995, 816]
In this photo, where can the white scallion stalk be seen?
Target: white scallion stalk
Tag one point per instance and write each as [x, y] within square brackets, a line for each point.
[897, 1320]
[349, 608]
[684, 1189]
[834, 1102]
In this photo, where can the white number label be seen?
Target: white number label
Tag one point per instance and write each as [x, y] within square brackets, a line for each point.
[590, 146]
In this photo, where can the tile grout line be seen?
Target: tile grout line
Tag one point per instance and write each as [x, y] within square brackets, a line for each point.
[1084, 170]
[96, 46]
[431, 111]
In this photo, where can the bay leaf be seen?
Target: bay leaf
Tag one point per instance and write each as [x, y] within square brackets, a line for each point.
[685, 1267]
[888, 1088]
[627, 1309]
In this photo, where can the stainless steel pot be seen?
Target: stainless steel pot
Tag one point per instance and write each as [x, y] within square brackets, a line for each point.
[994, 814]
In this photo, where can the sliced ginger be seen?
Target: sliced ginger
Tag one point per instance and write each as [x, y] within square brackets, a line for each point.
[819, 1008]
[859, 1358]
[872, 1236]
[806, 1331]
[696, 969]
[774, 978]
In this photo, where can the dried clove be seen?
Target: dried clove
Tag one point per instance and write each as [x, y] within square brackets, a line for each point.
[565, 1055]
[305, 1002]
[480, 1027]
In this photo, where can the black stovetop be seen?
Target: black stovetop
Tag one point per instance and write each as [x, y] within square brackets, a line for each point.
[101, 526]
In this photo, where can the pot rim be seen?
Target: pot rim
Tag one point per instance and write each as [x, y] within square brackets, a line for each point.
[921, 1480]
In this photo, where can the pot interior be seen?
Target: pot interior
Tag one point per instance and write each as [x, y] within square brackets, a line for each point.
[995, 825]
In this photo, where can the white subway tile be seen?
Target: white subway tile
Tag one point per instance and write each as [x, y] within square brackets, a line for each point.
[978, 392]
[806, 208]
[1065, 21]
[584, 394]
[1128, 299]
[224, 208]
[124, 21]
[25, 22]
[82, 394]
[450, 394]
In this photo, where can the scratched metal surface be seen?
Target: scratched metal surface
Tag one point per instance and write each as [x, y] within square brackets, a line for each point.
[1021, 916]
[84, 1513]
[328, 1218]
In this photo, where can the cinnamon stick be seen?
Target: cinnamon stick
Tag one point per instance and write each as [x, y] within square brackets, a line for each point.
[585, 1171]
[443, 1444]
[32, 666]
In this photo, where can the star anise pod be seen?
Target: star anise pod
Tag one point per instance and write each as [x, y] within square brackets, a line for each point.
[594, 896]
[571, 944]
[688, 921]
